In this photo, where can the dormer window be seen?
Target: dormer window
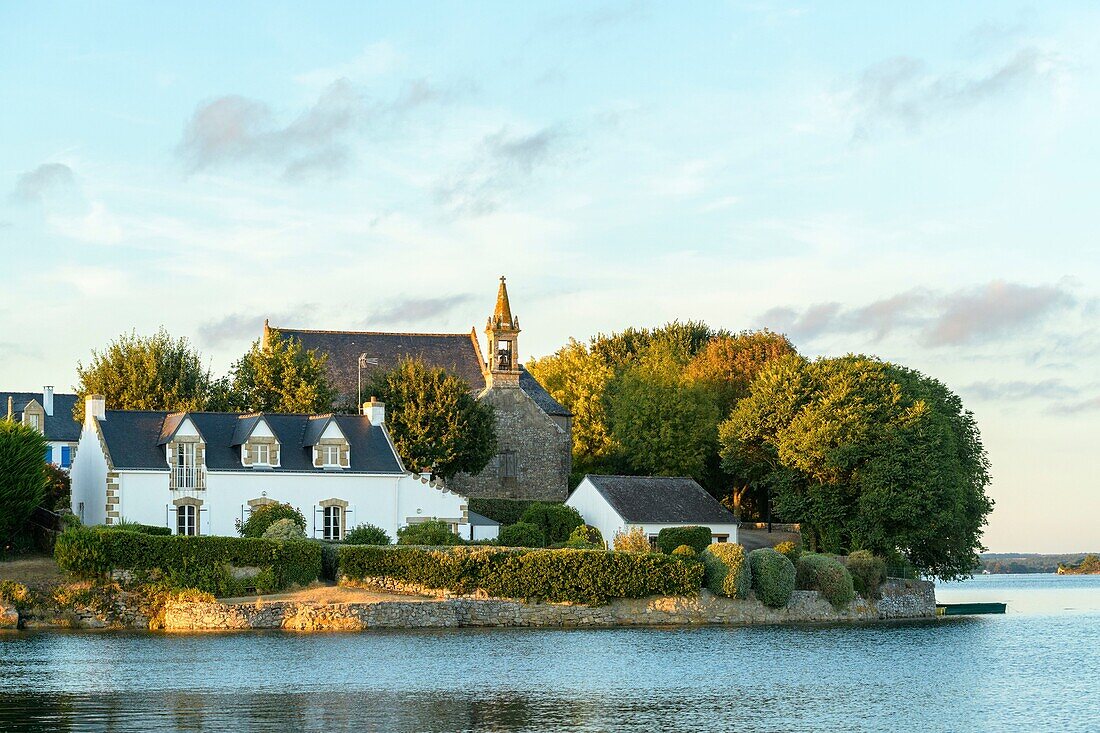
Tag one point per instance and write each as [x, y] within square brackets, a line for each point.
[263, 454]
[330, 456]
[32, 420]
[186, 469]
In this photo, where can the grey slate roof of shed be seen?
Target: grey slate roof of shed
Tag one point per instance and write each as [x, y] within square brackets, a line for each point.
[133, 439]
[481, 520]
[60, 426]
[661, 500]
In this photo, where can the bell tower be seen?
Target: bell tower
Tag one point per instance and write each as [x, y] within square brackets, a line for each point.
[503, 332]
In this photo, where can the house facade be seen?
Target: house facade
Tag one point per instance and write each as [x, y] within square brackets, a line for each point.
[203, 472]
[51, 414]
[534, 431]
[618, 504]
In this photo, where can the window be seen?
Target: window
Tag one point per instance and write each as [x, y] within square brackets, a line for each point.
[186, 470]
[262, 454]
[720, 538]
[187, 519]
[32, 420]
[334, 523]
[66, 456]
[509, 467]
[330, 455]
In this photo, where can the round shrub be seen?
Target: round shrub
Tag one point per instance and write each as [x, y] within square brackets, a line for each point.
[772, 577]
[669, 538]
[266, 515]
[433, 533]
[633, 541]
[867, 571]
[284, 529]
[685, 551]
[557, 521]
[792, 550]
[367, 534]
[521, 534]
[727, 570]
[827, 575]
[587, 533]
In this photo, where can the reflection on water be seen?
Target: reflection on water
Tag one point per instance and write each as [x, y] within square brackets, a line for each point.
[1027, 671]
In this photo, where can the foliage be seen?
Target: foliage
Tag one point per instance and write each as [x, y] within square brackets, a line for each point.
[330, 559]
[265, 515]
[367, 534]
[434, 419]
[697, 538]
[772, 577]
[505, 511]
[727, 570]
[521, 534]
[14, 593]
[576, 576]
[58, 496]
[635, 540]
[22, 475]
[792, 550]
[279, 376]
[865, 455]
[145, 373]
[685, 551]
[587, 533]
[827, 575]
[432, 533]
[867, 572]
[284, 529]
[1089, 565]
[556, 521]
[125, 525]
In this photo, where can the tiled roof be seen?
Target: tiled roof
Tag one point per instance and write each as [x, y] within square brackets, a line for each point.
[538, 393]
[133, 440]
[661, 500]
[60, 426]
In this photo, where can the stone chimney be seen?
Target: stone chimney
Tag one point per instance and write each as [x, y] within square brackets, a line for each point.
[47, 400]
[95, 405]
[375, 411]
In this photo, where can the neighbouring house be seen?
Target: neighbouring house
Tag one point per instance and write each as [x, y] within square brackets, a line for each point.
[201, 472]
[481, 528]
[534, 431]
[615, 504]
[50, 413]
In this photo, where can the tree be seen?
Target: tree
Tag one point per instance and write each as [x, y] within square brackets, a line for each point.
[279, 376]
[145, 373]
[22, 475]
[866, 455]
[434, 419]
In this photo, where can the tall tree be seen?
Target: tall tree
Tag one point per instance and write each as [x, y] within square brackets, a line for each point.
[22, 475]
[434, 419]
[154, 372]
[279, 376]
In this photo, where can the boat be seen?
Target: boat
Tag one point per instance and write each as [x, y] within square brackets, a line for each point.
[969, 609]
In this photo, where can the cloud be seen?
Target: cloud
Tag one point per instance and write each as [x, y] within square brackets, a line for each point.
[33, 186]
[375, 60]
[415, 310]
[238, 327]
[810, 323]
[1088, 405]
[992, 310]
[1047, 389]
[601, 17]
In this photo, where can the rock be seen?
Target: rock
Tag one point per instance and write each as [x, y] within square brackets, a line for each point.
[9, 617]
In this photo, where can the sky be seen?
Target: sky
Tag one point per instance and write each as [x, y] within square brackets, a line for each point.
[917, 182]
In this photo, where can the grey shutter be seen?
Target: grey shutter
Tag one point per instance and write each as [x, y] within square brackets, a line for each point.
[202, 521]
[347, 520]
[168, 518]
[318, 522]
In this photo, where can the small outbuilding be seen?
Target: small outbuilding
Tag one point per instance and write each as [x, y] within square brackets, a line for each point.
[615, 504]
[481, 527]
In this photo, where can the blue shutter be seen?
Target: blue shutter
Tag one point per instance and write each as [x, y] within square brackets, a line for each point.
[49, 454]
[66, 456]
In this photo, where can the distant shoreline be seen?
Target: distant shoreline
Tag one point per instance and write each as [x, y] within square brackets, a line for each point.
[1003, 563]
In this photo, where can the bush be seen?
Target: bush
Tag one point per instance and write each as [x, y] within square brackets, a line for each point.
[635, 541]
[126, 525]
[827, 575]
[367, 534]
[81, 551]
[266, 515]
[557, 521]
[330, 559]
[587, 533]
[505, 511]
[22, 475]
[867, 572]
[575, 576]
[685, 551]
[284, 529]
[521, 534]
[772, 577]
[898, 566]
[727, 570]
[433, 533]
[669, 538]
[14, 593]
[792, 550]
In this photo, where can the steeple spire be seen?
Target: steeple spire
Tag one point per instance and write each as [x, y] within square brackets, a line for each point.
[502, 316]
[503, 332]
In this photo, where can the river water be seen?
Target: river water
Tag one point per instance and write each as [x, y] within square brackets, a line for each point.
[1036, 668]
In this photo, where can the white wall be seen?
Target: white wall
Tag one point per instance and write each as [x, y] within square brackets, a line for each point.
[715, 529]
[89, 478]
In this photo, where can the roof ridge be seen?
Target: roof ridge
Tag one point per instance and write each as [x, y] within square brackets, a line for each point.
[464, 334]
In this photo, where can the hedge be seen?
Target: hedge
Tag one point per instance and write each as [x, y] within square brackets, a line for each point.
[432, 532]
[669, 538]
[140, 528]
[772, 577]
[827, 575]
[727, 570]
[576, 576]
[196, 562]
[557, 521]
[505, 511]
[867, 571]
[521, 534]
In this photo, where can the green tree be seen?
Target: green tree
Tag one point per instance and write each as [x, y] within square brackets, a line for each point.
[145, 373]
[434, 419]
[866, 455]
[22, 475]
[280, 376]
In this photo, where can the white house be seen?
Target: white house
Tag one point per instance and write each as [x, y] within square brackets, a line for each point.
[50, 414]
[615, 504]
[200, 472]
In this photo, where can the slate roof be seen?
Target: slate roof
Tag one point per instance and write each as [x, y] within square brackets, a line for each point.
[480, 520]
[661, 500]
[538, 393]
[59, 426]
[133, 439]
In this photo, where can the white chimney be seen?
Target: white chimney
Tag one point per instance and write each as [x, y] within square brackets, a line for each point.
[375, 411]
[95, 405]
[47, 400]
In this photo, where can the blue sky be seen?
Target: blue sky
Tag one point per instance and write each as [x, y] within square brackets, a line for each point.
[914, 182]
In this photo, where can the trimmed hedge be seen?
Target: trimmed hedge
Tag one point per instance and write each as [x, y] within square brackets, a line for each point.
[867, 571]
[669, 538]
[505, 511]
[141, 528]
[521, 534]
[433, 532]
[727, 570]
[772, 577]
[827, 575]
[557, 521]
[576, 576]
